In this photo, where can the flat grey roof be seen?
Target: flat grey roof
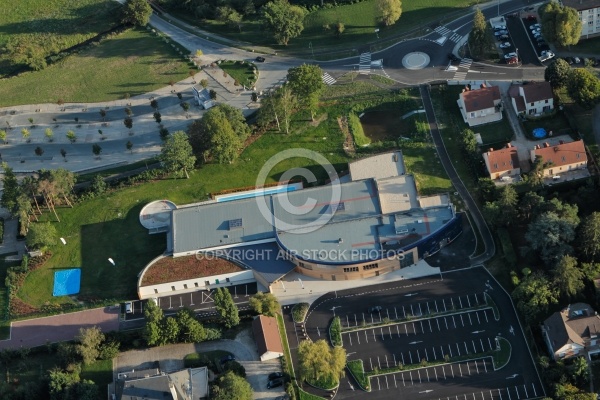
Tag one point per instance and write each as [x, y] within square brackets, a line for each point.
[397, 194]
[218, 224]
[266, 259]
[379, 166]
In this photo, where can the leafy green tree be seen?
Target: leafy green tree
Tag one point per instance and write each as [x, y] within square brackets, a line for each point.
[129, 146]
[71, 136]
[557, 73]
[23, 210]
[265, 303]
[84, 390]
[318, 361]
[163, 133]
[528, 205]
[204, 83]
[60, 382]
[154, 104]
[584, 87]
[286, 21]
[568, 277]
[232, 387]
[49, 133]
[478, 38]
[176, 154]
[3, 136]
[152, 312]
[63, 153]
[190, 330]
[96, 149]
[560, 24]
[339, 29]
[226, 308]
[157, 117]
[390, 11]
[534, 295]
[89, 341]
[109, 350]
[580, 370]
[229, 16]
[26, 134]
[589, 236]
[136, 12]
[170, 330]
[11, 190]
[278, 106]
[128, 122]
[550, 234]
[307, 85]
[487, 189]
[153, 333]
[41, 235]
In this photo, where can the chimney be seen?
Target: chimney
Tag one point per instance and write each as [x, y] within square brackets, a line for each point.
[491, 149]
[546, 144]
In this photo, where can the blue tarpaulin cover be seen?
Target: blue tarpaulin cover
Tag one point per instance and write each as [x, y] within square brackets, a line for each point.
[66, 282]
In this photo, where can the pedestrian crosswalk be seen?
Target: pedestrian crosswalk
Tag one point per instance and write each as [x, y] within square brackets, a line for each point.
[328, 79]
[364, 66]
[445, 32]
[465, 64]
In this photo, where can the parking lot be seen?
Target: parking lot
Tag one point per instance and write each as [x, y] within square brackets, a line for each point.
[438, 318]
[520, 40]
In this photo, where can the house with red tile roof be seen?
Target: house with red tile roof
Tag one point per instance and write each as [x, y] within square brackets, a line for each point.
[480, 106]
[266, 336]
[534, 98]
[562, 157]
[502, 163]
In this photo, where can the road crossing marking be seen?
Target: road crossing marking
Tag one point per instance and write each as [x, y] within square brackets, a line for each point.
[364, 66]
[447, 34]
[328, 79]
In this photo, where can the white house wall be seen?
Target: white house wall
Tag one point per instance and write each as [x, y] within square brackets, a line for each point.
[270, 355]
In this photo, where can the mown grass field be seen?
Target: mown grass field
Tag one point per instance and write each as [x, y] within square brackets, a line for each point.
[242, 73]
[133, 62]
[108, 226]
[360, 20]
[53, 25]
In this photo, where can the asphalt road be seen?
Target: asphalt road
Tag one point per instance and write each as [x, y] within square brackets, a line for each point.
[467, 331]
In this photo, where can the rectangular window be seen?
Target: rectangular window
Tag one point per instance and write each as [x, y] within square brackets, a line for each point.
[206, 283]
[351, 269]
[185, 285]
[590, 23]
[226, 279]
[546, 101]
[173, 288]
[155, 291]
[370, 266]
[196, 284]
[472, 115]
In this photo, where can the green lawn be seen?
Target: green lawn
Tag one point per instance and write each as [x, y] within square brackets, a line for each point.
[29, 370]
[557, 124]
[587, 46]
[101, 373]
[241, 71]
[134, 62]
[497, 133]
[95, 229]
[360, 20]
[53, 25]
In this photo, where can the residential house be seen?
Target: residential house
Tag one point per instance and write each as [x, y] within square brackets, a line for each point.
[572, 332]
[562, 157]
[503, 163]
[589, 15]
[480, 106]
[534, 98]
[266, 336]
[186, 384]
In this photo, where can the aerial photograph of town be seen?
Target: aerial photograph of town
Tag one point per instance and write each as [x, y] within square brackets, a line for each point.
[299, 199]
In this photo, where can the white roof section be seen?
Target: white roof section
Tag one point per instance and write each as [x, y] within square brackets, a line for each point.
[397, 194]
[379, 166]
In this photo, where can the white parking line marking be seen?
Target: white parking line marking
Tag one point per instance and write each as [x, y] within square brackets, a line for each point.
[403, 383]
[398, 330]
[406, 329]
[410, 355]
[382, 337]
[485, 366]
[469, 369]
[442, 350]
[508, 391]
[460, 302]
[395, 383]
[486, 318]
[374, 337]
[518, 394]
[420, 311]
[444, 371]
[371, 362]
[427, 358]
[534, 391]
[387, 310]
[358, 337]
[378, 362]
[378, 384]
[404, 312]
[490, 342]
[395, 363]
[500, 393]
[350, 337]
[419, 373]
[483, 397]
[422, 329]
[387, 365]
[466, 349]
[390, 329]
[414, 328]
[474, 349]
[444, 302]
[427, 372]
[446, 321]
[411, 379]
[470, 321]
[366, 337]
[347, 321]
[526, 394]
[481, 343]
[469, 301]
[454, 321]
[434, 356]
[436, 307]
[451, 303]
[386, 382]
[449, 348]
[462, 320]
[460, 369]
[402, 355]
[396, 312]
[438, 324]
[428, 310]
[412, 312]
[435, 371]
[418, 356]
[478, 320]
[458, 349]
[452, 370]
[430, 329]
[355, 320]
[477, 367]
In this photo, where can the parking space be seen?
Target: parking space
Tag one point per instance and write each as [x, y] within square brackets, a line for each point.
[401, 329]
[520, 41]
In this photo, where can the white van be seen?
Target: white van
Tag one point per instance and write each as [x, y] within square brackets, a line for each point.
[128, 307]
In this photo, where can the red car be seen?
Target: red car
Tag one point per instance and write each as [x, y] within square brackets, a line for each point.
[512, 60]
[531, 18]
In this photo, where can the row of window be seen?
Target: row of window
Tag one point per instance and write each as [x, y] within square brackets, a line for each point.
[351, 269]
[370, 266]
[196, 284]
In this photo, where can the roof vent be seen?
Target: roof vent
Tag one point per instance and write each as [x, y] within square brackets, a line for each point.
[340, 240]
[556, 148]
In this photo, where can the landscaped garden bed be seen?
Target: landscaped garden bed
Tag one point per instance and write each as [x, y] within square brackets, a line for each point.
[243, 73]
[169, 269]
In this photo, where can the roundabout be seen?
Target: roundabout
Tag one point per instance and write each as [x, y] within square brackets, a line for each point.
[415, 60]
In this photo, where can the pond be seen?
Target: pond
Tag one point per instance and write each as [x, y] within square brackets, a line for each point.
[380, 126]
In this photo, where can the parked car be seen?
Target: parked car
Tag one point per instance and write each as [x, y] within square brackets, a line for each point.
[500, 27]
[275, 383]
[510, 55]
[531, 18]
[505, 45]
[260, 59]
[569, 60]
[546, 55]
[534, 26]
[226, 359]
[503, 38]
[513, 60]
[537, 30]
[129, 307]
[577, 60]
[375, 309]
[500, 33]
[275, 375]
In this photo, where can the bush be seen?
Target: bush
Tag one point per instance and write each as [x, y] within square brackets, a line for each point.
[357, 130]
[1, 230]
[299, 312]
[236, 368]
[335, 332]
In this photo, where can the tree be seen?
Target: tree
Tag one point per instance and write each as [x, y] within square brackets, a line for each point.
[71, 136]
[286, 21]
[39, 151]
[550, 234]
[170, 330]
[102, 113]
[129, 146]
[229, 16]
[154, 104]
[529, 204]
[584, 87]
[534, 295]
[3, 136]
[152, 312]
[340, 28]
[589, 236]
[232, 387]
[176, 154]
[23, 211]
[157, 117]
[49, 134]
[226, 308]
[190, 330]
[63, 153]
[204, 83]
[478, 38]
[185, 105]
[89, 341]
[136, 12]
[557, 73]
[318, 361]
[153, 333]
[390, 11]
[560, 24]
[212, 94]
[26, 134]
[265, 303]
[128, 122]
[84, 390]
[60, 382]
[568, 277]
[41, 235]
[164, 133]
[307, 85]
[487, 189]
[98, 185]
[96, 149]
[580, 370]
[11, 190]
